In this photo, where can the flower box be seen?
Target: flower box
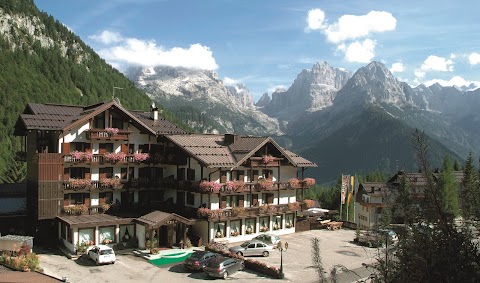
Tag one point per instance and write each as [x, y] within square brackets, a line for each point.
[78, 184]
[210, 187]
[112, 131]
[114, 157]
[308, 182]
[140, 157]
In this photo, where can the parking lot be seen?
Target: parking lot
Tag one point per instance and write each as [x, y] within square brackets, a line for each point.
[336, 248]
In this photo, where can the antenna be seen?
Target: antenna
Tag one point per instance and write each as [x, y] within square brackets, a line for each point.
[115, 87]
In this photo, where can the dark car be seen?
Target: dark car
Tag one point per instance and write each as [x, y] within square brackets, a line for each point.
[198, 260]
[222, 267]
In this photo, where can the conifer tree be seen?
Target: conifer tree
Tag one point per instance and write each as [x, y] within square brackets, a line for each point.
[448, 189]
[470, 192]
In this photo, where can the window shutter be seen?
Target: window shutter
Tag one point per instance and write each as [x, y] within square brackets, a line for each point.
[103, 173]
[223, 201]
[102, 197]
[241, 201]
[66, 199]
[255, 175]
[66, 174]
[223, 177]
[124, 148]
[269, 198]
[241, 175]
[87, 173]
[66, 148]
[87, 147]
[86, 199]
[181, 174]
[103, 148]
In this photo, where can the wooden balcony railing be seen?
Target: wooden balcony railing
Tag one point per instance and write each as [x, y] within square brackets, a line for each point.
[246, 212]
[103, 134]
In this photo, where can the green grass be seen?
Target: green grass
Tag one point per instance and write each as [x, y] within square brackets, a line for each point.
[169, 259]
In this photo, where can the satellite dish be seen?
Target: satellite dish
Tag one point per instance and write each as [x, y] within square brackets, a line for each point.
[117, 100]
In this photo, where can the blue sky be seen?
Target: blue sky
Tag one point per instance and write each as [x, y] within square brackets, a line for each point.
[265, 44]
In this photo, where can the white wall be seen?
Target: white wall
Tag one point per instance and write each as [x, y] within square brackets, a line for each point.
[94, 198]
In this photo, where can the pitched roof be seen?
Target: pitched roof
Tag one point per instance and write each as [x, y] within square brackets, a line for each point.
[207, 149]
[158, 218]
[213, 151]
[63, 117]
[159, 126]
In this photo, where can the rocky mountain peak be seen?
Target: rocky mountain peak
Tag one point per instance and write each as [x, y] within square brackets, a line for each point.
[264, 100]
[372, 84]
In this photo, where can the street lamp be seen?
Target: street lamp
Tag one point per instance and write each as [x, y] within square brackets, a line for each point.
[281, 247]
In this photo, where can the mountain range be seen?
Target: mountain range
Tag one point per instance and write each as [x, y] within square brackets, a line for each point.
[347, 123]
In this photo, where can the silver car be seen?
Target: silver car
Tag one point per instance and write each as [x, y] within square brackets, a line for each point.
[253, 247]
[268, 239]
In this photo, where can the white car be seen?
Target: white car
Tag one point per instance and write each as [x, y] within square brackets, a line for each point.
[102, 254]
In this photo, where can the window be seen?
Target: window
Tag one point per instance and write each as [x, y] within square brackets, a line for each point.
[107, 235]
[105, 147]
[267, 198]
[106, 197]
[235, 228]
[79, 146]
[190, 198]
[117, 123]
[77, 173]
[277, 223]
[267, 174]
[106, 172]
[99, 121]
[219, 229]
[76, 198]
[289, 220]
[238, 175]
[232, 201]
[250, 226]
[86, 235]
[264, 223]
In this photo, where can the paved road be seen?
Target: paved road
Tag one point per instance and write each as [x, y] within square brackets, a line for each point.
[336, 248]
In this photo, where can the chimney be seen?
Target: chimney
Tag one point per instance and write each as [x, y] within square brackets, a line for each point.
[229, 139]
[154, 112]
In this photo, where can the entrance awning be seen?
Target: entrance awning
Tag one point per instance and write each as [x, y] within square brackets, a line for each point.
[155, 219]
[87, 221]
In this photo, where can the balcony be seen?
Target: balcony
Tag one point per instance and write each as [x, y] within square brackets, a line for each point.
[82, 209]
[108, 134]
[246, 212]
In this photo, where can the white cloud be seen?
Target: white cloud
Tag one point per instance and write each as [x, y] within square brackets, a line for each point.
[454, 81]
[315, 18]
[419, 74]
[107, 37]
[362, 52]
[133, 51]
[349, 31]
[230, 81]
[397, 67]
[474, 58]
[350, 27]
[435, 63]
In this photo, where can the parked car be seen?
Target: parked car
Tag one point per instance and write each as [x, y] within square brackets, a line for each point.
[198, 260]
[268, 239]
[222, 267]
[254, 247]
[102, 254]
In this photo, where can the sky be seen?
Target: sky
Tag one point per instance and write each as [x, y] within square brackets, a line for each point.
[266, 44]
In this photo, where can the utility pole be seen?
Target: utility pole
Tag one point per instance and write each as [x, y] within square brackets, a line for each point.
[113, 92]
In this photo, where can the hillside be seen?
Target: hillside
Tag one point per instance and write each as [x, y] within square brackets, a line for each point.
[42, 61]
[372, 141]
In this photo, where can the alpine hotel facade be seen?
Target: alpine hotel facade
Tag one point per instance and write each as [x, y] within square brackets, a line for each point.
[103, 174]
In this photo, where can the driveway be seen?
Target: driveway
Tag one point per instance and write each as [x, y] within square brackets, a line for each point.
[335, 249]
